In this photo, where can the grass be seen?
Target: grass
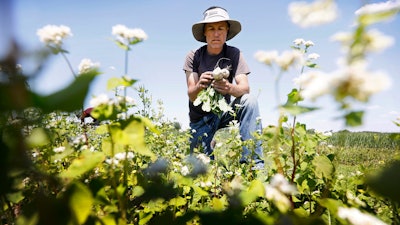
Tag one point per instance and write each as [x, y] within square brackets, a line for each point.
[364, 151]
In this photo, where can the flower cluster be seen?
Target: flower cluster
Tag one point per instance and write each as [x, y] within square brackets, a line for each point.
[288, 59]
[53, 35]
[313, 14]
[193, 165]
[353, 80]
[103, 99]
[277, 190]
[86, 65]
[126, 36]
[356, 217]
[120, 157]
[372, 41]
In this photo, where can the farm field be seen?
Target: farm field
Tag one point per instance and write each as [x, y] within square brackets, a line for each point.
[120, 161]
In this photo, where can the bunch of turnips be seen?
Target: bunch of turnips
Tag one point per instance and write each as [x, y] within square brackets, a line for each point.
[212, 100]
[219, 73]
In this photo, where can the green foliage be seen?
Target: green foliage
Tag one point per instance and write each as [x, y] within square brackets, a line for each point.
[133, 166]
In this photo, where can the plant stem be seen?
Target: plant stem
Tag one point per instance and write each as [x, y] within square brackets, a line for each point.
[69, 64]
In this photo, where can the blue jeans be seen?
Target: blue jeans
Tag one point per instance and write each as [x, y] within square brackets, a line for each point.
[247, 115]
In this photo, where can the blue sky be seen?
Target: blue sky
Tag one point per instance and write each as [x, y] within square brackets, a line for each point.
[157, 62]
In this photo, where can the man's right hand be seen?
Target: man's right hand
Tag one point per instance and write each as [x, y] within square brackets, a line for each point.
[205, 79]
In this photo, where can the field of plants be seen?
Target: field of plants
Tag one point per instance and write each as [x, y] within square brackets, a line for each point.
[122, 162]
[62, 171]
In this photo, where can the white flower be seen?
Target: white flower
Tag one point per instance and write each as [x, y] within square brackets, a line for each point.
[280, 200]
[267, 57]
[309, 43]
[313, 84]
[53, 35]
[59, 149]
[277, 190]
[127, 100]
[373, 41]
[316, 13]
[112, 161]
[99, 100]
[288, 59]
[356, 217]
[127, 36]
[299, 41]
[345, 38]
[313, 56]
[280, 183]
[185, 170]
[123, 155]
[377, 41]
[86, 65]
[205, 184]
[26, 181]
[357, 81]
[204, 158]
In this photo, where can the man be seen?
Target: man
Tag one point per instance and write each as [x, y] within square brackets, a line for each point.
[215, 29]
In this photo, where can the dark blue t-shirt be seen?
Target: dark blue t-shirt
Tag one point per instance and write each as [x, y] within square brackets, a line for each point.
[202, 62]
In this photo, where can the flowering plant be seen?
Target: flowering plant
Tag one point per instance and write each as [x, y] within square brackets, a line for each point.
[212, 100]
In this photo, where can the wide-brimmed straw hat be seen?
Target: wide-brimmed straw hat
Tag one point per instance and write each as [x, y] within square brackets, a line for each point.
[213, 15]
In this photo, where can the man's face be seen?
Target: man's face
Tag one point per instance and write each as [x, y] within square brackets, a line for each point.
[216, 33]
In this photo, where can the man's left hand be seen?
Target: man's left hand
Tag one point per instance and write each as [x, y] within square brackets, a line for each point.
[222, 86]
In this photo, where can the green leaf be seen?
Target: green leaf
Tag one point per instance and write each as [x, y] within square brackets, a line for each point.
[256, 189]
[219, 204]
[293, 97]
[291, 106]
[311, 65]
[131, 133]
[296, 109]
[68, 99]
[15, 197]
[122, 45]
[198, 190]
[135, 41]
[331, 204]
[387, 181]
[105, 112]
[85, 162]
[108, 220]
[37, 138]
[178, 201]
[323, 167]
[80, 201]
[354, 118]
[383, 15]
[137, 191]
[115, 82]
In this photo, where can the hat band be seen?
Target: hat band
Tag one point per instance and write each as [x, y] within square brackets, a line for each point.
[217, 12]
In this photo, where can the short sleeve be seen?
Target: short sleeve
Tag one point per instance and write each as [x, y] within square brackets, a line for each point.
[188, 65]
[242, 67]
